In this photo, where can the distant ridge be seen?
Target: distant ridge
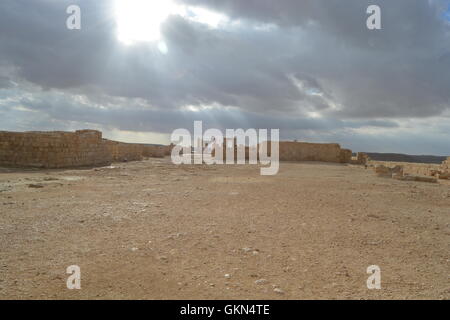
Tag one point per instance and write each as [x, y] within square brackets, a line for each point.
[398, 157]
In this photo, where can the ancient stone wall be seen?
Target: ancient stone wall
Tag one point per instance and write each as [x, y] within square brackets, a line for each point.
[444, 172]
[53, 149]
[121, 151]
[87, 148]
[124, 151]
[361, 158]
[446, 165]
[304, 151]
[69, 149]
[345, 156]
[424, 169]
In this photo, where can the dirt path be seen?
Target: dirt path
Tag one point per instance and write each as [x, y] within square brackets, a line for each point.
[151, 230]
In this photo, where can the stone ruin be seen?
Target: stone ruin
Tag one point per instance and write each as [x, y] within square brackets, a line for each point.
[304, 151]
[444, 173]
[416, 172]
[69, 149]
[361, 158]
[59, 149]
[300, 151]
[397, 173]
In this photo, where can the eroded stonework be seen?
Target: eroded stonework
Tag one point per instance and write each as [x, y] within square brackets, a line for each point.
[69, 149]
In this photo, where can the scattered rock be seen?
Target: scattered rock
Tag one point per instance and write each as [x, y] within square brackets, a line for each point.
[50, 179]
[420, 179]
[227, 276]
[36, 186]
[261, 281]
[5, 188]
[383, 171]
[176, 235]
[278, 290]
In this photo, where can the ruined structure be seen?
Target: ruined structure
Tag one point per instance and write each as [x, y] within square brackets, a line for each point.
[386, 172]
[88, 148]
[445, 166]
[134, 152]
[299, 151]
[69, 149]
[444, 173]
[361, 158]
[398, 173]
[304, 151]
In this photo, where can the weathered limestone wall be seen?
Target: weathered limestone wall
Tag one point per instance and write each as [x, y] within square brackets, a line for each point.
[445, 170]
[418, 169]
[345, 156]
[69, 149]
[361, 158]
[153, 151]
[398, 173]
[53, 149]
[121, 151]
[424, 169]
[87, 148]
[304, 151]
[124, 151]
[446, 165]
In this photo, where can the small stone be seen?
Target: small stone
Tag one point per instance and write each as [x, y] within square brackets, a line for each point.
[260, 281]
[134, 249]
[227, 276]
[278, 290]
[50, 179]
[35, 186]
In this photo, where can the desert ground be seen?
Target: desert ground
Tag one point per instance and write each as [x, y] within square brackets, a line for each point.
[153, 230]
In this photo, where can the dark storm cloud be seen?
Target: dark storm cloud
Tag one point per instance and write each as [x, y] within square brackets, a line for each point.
[140, 118]
[398, 71]
[5, 82]
[34, 38]
[275, 64]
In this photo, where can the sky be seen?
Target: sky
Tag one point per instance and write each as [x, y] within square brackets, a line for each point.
[139, 69]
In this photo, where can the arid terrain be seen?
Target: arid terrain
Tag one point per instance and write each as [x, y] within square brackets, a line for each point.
[153, 230]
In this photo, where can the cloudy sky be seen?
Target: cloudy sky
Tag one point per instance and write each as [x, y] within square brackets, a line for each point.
[138, 69]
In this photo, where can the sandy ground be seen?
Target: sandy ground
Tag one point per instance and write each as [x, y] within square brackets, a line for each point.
[152, 230]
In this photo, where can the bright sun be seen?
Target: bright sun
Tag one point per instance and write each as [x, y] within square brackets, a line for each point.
[140, 20]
